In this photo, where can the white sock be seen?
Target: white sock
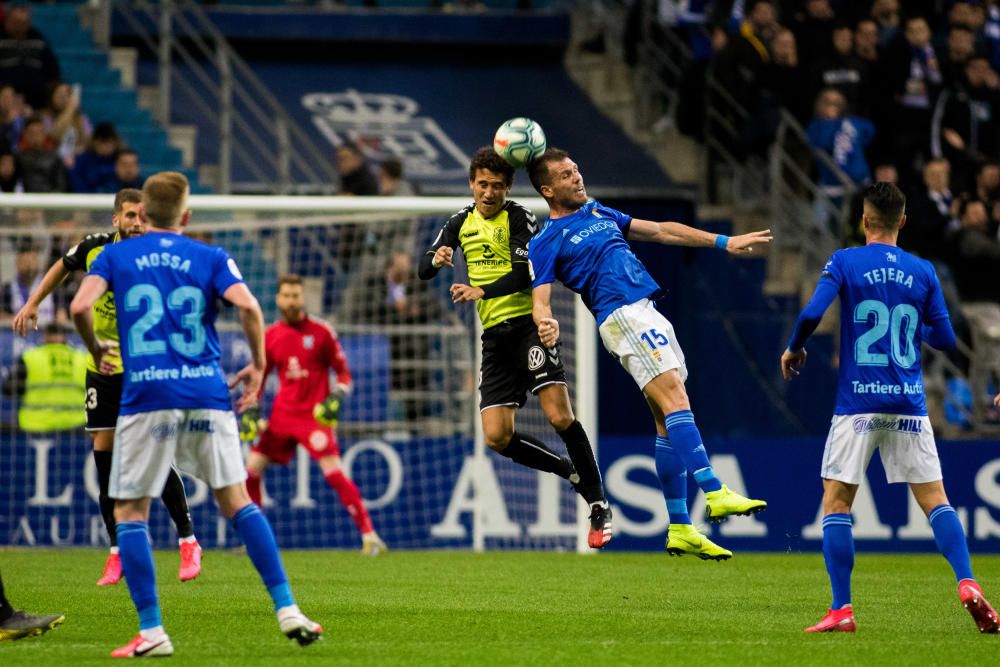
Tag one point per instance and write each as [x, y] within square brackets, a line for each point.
[290, 610]
[114, 551]
[189, 538]
[152, 633]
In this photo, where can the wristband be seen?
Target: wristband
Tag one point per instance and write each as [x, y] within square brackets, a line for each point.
[721, 240]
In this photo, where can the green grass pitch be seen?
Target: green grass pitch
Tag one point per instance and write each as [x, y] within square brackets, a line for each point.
[511, 608]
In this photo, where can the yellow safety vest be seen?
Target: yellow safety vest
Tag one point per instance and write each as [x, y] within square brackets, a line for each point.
[55, 390]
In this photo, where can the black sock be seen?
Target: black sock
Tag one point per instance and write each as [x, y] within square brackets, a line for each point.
[578, 446]
[176, 501]
[107, 504]
[531, 452]
[6, 610]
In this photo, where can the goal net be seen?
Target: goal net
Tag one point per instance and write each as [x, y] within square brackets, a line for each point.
[409, 432]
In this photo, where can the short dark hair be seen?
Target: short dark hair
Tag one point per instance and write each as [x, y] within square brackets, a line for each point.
[104, 131]
[888, 202]
[487, 158]
[538, 169]
[289, 279]
[392, 167]
[127, 196]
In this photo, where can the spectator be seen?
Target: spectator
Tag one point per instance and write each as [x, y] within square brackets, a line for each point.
[991, 31]
[50, 379]
[355, 177]
[9, 180]
[391, 182]
[740, 63]
[967, 15]
[960, 46]
[813, 29]
[785, 81]
[27, 276]
[988, 191]
[976, 254]
[843, 138]
[127, 171]
[65, 123]
[885, 14]
[966, 124]
[26, 59]
[930, 214]
[13, 115]
[913, 75]
[94, 170]
[394, 296]
[866, 41]
[38, 164]
[845, 71]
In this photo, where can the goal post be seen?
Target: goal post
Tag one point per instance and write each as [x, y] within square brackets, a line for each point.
[410, 433]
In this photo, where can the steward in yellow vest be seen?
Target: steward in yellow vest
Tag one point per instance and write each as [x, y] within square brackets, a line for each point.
[54, 391]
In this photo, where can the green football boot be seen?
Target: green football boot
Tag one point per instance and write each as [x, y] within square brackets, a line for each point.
[684, 539]
[724, 503]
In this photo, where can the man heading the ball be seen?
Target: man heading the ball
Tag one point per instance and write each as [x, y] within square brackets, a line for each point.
[582, 245]
[305, 411]
[494, 233]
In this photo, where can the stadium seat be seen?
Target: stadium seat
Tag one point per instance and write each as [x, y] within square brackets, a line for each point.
[103, 98]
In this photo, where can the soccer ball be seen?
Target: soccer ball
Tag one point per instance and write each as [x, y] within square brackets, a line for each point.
[519, 141]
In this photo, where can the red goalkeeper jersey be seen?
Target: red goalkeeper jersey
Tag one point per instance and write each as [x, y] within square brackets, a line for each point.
[303, 353]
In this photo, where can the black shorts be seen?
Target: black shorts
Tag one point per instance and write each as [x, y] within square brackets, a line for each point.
[104, 396]
[515, 362]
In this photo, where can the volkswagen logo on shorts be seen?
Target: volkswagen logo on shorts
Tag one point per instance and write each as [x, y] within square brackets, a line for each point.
[536, 358]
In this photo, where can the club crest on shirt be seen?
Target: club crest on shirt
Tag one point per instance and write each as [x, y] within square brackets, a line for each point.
[308, 342]
[498, 235]
[318, 440]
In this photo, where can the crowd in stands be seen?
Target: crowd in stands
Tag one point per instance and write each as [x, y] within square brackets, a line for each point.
[889, 90]
[47, 143]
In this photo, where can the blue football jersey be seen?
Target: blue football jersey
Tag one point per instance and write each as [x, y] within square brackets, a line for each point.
[886, 294]
[166, 287]
[587, 252]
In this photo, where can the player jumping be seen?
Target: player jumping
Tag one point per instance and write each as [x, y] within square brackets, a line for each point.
[304, 350]
[890, 302]
[582, 245]
[104, 392]
[494, 234]
[175, 402]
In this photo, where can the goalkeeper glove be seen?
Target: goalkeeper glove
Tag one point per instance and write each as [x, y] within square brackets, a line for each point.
[327, 411]
[250, 425]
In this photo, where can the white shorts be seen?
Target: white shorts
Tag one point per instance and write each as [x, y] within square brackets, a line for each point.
[642, 339]
[906, 444]
[204, 443]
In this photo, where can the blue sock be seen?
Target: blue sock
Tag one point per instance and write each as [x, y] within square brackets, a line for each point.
[686, 441]
[262, 548]
[950, 540]
[838, 552]
[673, 479]
[140, 573]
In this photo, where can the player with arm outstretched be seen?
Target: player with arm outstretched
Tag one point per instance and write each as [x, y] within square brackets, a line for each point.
[583, 246]
[304, 350]
[493, 233]
[890, 302]
[175, 402]
[104, 392]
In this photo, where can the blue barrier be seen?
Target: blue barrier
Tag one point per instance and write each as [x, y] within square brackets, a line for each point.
[420, 495]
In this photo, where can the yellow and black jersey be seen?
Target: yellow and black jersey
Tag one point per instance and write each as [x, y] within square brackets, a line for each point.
[79, 258]
[496, 252]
